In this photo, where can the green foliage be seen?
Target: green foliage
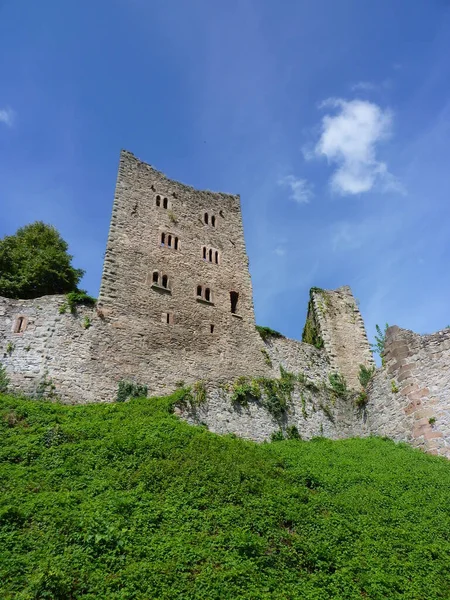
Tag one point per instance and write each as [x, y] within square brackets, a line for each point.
[394, 387]
[304, 413]
[310, 333]
[292, 433]
[274, 394]
[10, 347]
[45, 388]
[199, 393]
[266, 357]
[365, 375]
[432, 420]
[277, 436]
[245, 389]
[4, 379]
[191, 396]
[338, 384]
[75, 298]
[266, 333]
[380, 339]
[172, 217]
[34, 262]
[128, 389]
[361, 400]
[125, 501]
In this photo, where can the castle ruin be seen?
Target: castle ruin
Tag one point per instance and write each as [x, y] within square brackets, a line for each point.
[176, 306]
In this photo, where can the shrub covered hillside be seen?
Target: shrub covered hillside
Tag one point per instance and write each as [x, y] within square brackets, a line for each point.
[124, 501]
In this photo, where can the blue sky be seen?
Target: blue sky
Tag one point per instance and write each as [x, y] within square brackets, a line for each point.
[330, 118]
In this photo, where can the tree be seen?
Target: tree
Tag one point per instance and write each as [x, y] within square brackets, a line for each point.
[34, 262]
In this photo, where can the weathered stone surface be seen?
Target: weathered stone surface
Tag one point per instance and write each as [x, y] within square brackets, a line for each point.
[341, 327]
[161, 333]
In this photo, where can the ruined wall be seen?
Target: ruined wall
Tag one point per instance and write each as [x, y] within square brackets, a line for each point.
[336, 316]
[313, 408]
[419, 367]
[51, 355]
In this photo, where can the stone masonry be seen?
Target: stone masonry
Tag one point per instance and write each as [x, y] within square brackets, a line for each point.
[176, 307]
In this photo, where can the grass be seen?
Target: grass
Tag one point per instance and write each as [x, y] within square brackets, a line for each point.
[124, 501]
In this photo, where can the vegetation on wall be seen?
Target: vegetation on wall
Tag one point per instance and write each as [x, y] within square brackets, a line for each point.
[73, 299]
[266, 333]
[274, 394]
[4, 379]
[129, 389]
[380, 340]
[311, 333]
[365, 375]
[35, 262]
[125, 501]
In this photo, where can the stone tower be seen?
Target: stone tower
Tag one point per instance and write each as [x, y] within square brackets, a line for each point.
[176, 288]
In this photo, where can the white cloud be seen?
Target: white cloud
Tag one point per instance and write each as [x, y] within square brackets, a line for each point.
[6, 116]
[301, 190]
[349, 140]
[365, 86]
[279, 251]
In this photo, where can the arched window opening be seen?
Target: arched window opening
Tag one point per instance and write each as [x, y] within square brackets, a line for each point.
[210, 255]
[234, 297]
[164, 281]
[176, 243]
[208, 295]
[204, 253]
[165, 203]
[158, 200]
[163, 239]
[211, 328]
[216, 256]
[213, 221]
[199, 291]
[206, 218]
[155, 277]
[169, 241]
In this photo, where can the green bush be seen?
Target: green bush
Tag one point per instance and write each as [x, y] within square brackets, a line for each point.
[129, 389]
[124, 500]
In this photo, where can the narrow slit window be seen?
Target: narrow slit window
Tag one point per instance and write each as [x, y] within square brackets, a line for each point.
[158, 200]
[199, 291]
[155, 276]
[206, 218]
[176, 243]
[20, 324]
[213, 221]
[168, 318]
[210, 256]
[164, 281]
[163, 239]
[234, 297]
[165, 203]
[169, 241]
[211, 328]
[204, 253]
[216, 256]
[208, 294]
